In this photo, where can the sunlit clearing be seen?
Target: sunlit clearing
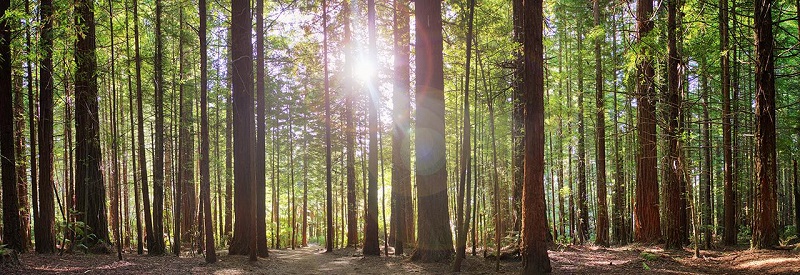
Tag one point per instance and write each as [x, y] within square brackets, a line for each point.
[771, 261]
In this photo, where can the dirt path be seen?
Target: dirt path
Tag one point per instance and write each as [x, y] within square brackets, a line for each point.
[313, 260]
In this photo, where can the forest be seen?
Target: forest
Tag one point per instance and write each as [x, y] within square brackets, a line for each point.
[375, 137]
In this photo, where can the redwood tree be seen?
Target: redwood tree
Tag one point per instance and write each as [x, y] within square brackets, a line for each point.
[647, 226]
[205, 180]
[158, 246]
[402, 215]
[534, 220]
[12, 231]
[44, 230]
[371, 245]
[602, 206]
[765, 230]
[244, 228]
[673, 229]
[435, 241]
[261, 136]
[730, 231]
[89, 189]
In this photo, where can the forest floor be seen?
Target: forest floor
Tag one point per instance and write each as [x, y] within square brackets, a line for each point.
[313, 260]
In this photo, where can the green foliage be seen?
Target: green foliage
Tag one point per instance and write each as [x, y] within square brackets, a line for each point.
[648, 256]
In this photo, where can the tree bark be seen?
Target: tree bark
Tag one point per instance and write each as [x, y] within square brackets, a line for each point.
[402, 208]
[765, 231]
[534, 222]
[90, 190]
[328, 177]
[140, 129]
[261, 135]
[244, 231]
[583, 207]
[706, 167]
[371, 245]
[158, 246]
[729, 193]
[12, 231]
[205, 177]
[602, 205]
[647, 228]
[435, 242]
[674, 225]
[45, 235]
[462, 220]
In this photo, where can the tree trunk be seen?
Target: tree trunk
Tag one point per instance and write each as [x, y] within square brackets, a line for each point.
[205, 179]
[602, 205]
[462, 220]
[706, 167]
[90, 190]
[619, 229]
[435, 241]
[583, 207]
[517, 117]
[158, 247]
[12, 231]
[402, 208]
[674, 225]
[140, 129]
[765, 231]
[352, 215]
[729, 227]
[244, 231]
[328, 177]
[32, 130]
[261, 135]
[371, 245]
[45, 231]
[647, 228]
[534, 222]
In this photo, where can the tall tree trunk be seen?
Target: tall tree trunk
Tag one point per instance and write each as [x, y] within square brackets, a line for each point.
[304, 242]
[706, 167]
[90, 190]
[45, 235]
[435, 242]
[729, 226]
[352, 215]
[244, 231]
[647, 228]
[261, 135]
[673, 229]
[765, 231]
[184, 155]
[371, 245]
[517, 117]
[140, 129]
[32, 130]
[134, 160]
[602, 205]
[19, 113]
[158, 247]
[205, 176]
[534, 222]
[619, 229]
[583, 206]
[12, 231]
[328, 177]
[402, 208]
[115, 180]
[462, 220]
